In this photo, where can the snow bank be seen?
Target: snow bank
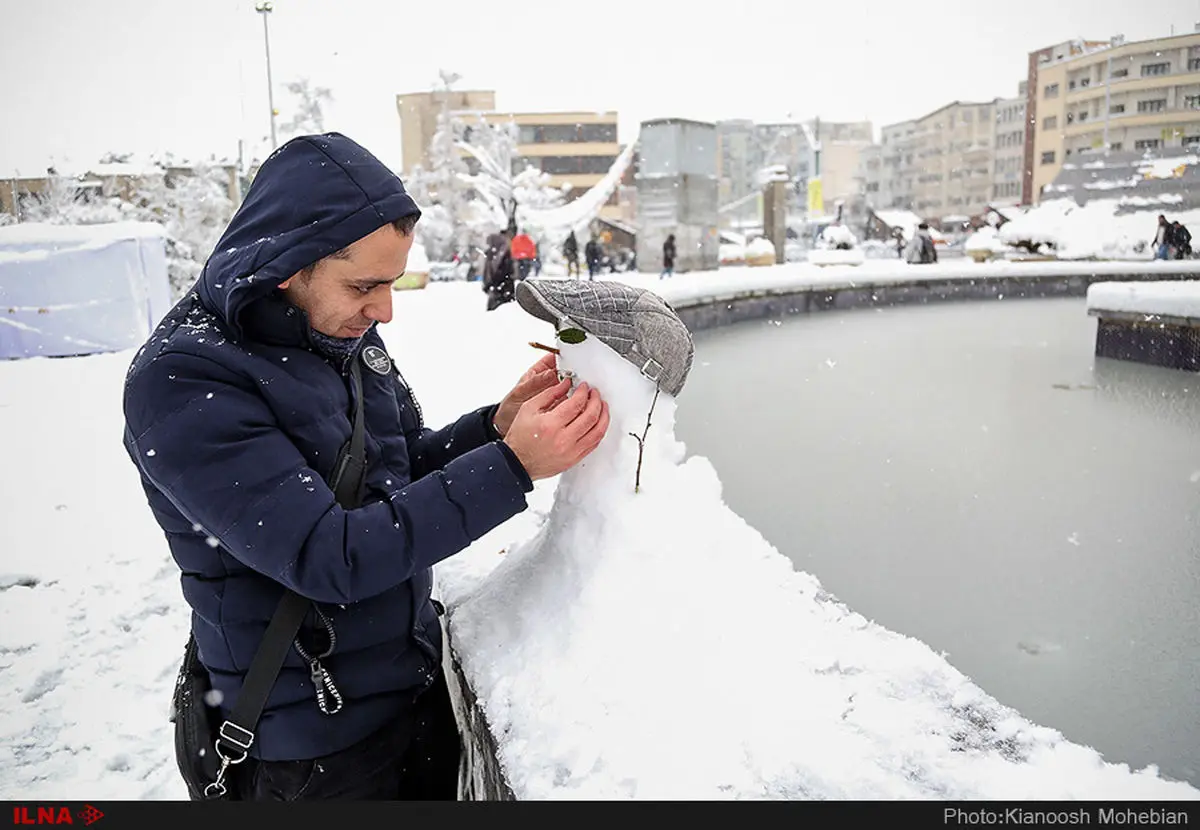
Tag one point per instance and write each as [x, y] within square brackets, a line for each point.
[1170, 299]
[72, 290]
[985, 239]
[1096, 229]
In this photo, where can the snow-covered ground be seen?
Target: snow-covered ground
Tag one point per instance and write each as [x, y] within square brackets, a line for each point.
[1170, 299]
[647, 645]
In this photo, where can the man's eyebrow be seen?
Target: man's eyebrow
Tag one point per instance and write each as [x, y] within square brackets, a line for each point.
[374, 281]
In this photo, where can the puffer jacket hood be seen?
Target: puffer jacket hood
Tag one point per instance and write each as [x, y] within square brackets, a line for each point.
[281, 228]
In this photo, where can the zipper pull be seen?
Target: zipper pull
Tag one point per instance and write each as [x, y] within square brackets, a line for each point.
[322, 682]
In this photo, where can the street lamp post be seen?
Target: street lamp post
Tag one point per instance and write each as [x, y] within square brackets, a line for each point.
[265, 8]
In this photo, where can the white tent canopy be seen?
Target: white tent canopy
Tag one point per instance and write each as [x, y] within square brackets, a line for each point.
[80, 289]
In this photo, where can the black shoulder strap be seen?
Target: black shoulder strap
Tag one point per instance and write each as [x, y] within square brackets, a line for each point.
[237, 733]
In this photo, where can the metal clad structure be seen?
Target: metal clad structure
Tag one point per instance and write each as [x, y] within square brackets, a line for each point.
[677, 193]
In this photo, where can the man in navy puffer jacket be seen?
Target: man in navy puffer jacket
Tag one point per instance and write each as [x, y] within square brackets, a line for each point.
[236, 409]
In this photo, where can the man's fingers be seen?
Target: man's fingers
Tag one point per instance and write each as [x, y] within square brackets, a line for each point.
[592, 438]
[569, 409]
[547, 363]
[547, 397]
[586, 419]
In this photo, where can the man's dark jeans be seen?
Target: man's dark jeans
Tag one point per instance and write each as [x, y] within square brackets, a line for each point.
[414, 758]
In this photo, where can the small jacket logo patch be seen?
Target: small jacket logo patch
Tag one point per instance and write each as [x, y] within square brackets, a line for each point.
[377, 360]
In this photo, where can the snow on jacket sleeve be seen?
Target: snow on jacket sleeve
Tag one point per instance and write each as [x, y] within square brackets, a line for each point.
[204, 437]
[431, 450]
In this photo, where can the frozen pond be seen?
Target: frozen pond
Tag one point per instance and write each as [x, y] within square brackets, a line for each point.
[970, 475]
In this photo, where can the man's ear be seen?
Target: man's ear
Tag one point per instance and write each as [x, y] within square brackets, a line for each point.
[288, 281]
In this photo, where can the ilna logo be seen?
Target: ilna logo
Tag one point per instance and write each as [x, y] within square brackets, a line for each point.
[56, 815]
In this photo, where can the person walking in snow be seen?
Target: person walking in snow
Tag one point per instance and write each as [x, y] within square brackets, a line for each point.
[1162, 239]
[593, 253]
[922, 250]
[668, 257]
[1181, 240]
[570, 251]
[289, 466]
[524, 251]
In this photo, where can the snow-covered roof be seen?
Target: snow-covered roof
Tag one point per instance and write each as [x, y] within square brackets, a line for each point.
[1170, 173]
[35, 234]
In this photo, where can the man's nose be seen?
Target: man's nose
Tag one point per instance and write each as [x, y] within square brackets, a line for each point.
[380, 309]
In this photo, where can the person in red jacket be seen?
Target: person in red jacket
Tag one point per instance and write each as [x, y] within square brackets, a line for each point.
[524, 252]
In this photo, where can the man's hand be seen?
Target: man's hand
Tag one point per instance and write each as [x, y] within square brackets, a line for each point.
[553, 433]
[541, 376]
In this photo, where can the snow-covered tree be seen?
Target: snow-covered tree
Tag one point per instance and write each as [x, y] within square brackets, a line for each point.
[64, 201]
[452, 222]
[306, 111]
[514, 190]
[194, 208]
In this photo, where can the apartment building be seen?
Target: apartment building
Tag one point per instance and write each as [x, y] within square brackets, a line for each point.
[1008, 146]
[940, 165]
[574, 148]
[1039, 59]
[1141, 96]
[892, 186]
[843, 145]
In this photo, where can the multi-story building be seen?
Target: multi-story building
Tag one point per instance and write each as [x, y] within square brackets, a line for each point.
[1008, 146]
[574, 148]
[1038, 60]
[1124, 96]
[940, 165]
[897, 159]
[842, 146]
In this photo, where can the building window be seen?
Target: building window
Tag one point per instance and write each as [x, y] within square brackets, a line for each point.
[567, 133]
[1051, 91]
[1191, 102]
[567, 166]
[1146, 144]
[1085, 82]
[1050, 123]
[1189, 140]
[1156, 69]
[1048, 157]
[1083, 115]
[1120, 73]
[1157, 105]
[1193, 64]
[1116, 109]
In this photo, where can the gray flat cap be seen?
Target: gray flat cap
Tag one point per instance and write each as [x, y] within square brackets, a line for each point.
[637, 324]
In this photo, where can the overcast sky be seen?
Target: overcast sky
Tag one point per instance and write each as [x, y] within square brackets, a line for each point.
[82, 77]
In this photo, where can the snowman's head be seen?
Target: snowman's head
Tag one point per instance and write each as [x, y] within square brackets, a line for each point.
[635, 323]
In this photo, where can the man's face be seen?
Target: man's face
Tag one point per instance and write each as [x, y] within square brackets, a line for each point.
[344, 295]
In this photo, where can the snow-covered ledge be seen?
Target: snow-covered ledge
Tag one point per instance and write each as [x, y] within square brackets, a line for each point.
[716, 298]
[1148, 322]
[622, 642]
